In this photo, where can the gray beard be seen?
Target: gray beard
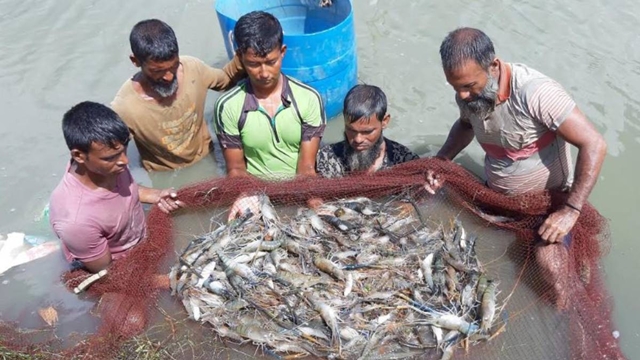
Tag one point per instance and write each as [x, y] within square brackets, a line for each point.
[484, 103]
[362, 160]
[165, 90]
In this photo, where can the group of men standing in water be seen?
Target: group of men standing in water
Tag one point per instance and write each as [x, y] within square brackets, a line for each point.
[270, 125]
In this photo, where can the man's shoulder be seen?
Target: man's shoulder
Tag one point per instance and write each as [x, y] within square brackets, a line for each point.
[301, 89]
[399, 153]
[124, 94]
[188, 61]
[233, 99]
[126, 103]
[525, 78]
[333, 150]
[329, 160]
[65, 202]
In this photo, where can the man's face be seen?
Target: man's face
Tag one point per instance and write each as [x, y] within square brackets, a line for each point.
[162, 76]
[264, 72]
[102, 159]
[365, 139]
[476, 89]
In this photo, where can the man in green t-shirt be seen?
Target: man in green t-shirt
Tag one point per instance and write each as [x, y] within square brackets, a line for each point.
[270, 125]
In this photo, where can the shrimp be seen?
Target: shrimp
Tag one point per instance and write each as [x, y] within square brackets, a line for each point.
[329, 267]
[425, 265]
[488, 306]
[328, 314]
[454, 322]
[348, 286]
[233, 267]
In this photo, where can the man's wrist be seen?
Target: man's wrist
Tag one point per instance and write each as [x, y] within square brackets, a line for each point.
[573, 207]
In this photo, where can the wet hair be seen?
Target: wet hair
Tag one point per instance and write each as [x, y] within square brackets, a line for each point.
[259, 31]
[153, 40]
[464, 44]
[362, 101]
[89, 122]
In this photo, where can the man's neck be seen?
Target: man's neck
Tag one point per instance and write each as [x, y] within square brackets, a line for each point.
[91, 180]
[142, 86]
[266, 93]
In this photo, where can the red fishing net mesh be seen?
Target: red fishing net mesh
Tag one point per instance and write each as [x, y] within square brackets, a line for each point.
[553, 309]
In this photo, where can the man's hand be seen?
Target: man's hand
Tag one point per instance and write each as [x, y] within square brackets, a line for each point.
[433, 182]
[242, 204]
[314, 203]
[558, 225]
[167, 201]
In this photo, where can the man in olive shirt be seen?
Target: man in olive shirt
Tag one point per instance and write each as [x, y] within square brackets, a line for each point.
[163, 104]
[270, 125]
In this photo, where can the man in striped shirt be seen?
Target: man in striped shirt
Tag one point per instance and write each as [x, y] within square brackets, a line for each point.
[523, 121]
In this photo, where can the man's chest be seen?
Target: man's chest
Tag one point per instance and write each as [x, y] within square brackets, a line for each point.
[507, 127]
[260, 131]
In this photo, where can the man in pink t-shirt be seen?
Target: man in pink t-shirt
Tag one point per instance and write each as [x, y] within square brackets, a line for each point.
[96, 209]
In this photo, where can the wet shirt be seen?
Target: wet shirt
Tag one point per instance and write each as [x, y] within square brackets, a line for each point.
[522, 151]
[90, 221]
[271, 146]
[170, 137]
[331, 161]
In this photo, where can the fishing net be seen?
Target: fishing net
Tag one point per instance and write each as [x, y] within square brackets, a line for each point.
[552, 299]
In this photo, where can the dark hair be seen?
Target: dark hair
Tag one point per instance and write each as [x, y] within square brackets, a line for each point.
[259, 31]
[153, 40]
[89, 122]
[465, 44]
[362, 101]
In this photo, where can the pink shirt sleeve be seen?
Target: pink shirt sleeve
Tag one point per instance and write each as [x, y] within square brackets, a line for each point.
[85, 242]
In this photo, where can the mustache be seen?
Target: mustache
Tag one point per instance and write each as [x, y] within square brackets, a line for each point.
[484, 102]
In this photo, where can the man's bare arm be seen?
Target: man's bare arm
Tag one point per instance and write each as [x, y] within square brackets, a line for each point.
[592, 149]
[99, 264]
[307, 158]
[578, 131]
[460, 136]
[235, 162]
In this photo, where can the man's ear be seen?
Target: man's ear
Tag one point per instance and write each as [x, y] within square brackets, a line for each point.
[78, 156]
[283, 50]
[386, 120]
[494, 68]
[134, 61]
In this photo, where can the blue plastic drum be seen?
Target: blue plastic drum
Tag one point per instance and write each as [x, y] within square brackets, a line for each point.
[321, 42]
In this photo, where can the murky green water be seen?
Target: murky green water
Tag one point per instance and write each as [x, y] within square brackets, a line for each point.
[57, 53]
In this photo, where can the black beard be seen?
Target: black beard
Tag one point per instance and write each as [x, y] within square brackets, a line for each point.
[164, 89]
[483, 104]
[362, 160]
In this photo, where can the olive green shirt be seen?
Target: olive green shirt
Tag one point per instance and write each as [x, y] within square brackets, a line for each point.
[271, 145]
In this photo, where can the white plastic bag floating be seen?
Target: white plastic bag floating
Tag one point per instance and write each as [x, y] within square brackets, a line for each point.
[14, 251]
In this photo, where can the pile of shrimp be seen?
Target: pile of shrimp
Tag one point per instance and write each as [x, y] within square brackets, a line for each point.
[352, 279]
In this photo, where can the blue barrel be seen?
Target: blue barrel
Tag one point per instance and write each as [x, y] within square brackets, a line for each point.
[321, 42]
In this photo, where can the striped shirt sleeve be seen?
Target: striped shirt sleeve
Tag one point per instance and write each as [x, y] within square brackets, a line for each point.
[314, 120]
[549, 103]
[225, 123]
